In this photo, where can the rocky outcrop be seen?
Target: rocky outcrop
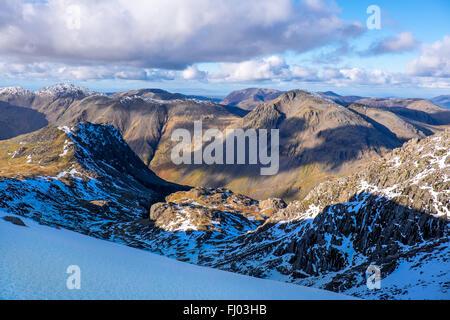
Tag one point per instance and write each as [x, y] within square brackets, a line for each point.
[397, 208]
[204, 209]
[80, 177]
[15, 220]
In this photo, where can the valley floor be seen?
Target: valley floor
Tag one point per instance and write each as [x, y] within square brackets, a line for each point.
[34, 260]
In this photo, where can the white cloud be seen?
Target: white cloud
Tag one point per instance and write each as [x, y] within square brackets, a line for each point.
[271, 68]
[355, 77]
[165, 34]
[59, 71]
[193, 73]
[361, 76]
[275, 69]
[304, 73]
[434, 60]
[402, 42]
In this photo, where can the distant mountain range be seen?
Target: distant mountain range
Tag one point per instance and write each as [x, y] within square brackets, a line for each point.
[443, 101]
[248, 99]
[319, 137]
[342, 100]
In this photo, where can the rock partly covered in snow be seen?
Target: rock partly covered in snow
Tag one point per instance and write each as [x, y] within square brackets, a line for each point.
[218, 210]
[15, 91]
[397, 208]
[65, 90]
[82, 178]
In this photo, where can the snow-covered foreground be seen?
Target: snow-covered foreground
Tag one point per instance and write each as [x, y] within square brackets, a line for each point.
[34, 260]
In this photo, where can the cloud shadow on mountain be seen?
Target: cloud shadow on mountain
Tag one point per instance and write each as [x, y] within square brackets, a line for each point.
[15, 120]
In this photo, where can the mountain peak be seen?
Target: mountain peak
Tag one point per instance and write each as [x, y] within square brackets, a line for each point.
[65, 90]
[15, 91]
[330, 93]
[249, 98]
[149, 93]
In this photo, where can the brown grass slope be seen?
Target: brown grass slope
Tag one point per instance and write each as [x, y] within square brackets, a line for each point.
[319, 138]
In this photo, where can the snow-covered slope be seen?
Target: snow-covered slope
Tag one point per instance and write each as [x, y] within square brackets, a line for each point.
[35, 258]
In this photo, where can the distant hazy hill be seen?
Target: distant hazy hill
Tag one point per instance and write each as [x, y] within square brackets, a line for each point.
[342, 100]
[422, 113]
[443, 101]
[248, 99]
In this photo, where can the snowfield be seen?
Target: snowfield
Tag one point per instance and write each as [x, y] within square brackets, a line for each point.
[34, 260]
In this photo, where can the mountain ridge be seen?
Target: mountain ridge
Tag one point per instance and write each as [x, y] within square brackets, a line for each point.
[354, 133]
[87, 172]
[249, 98]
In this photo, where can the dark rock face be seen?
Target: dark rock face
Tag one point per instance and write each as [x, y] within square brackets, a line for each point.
[377, 231]
[15, 220]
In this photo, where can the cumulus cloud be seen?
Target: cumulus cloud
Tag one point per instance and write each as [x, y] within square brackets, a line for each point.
[60, 71]
[434, 60]
[402, 42]
[165, 34]
[270, 69]
[361, 76]
[303, 73]
[273, 67]
[193, 73]
[354, 77]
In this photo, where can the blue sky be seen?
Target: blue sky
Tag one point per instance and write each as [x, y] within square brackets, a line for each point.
[212, 47]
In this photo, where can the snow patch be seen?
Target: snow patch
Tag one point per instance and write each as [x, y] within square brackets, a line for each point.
[35, 259]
